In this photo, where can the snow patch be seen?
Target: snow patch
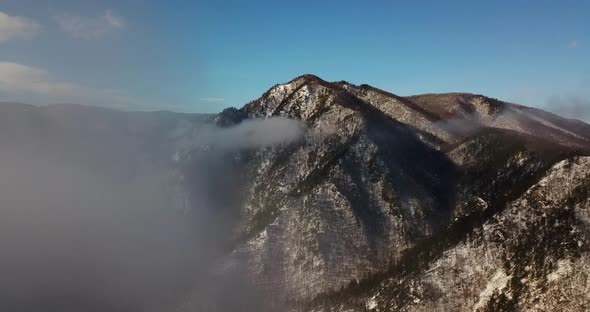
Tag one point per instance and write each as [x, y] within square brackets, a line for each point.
[498, 282]
[371, 303]
[564, 268]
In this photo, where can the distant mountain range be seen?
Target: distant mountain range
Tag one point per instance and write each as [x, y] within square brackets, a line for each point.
[436, 202]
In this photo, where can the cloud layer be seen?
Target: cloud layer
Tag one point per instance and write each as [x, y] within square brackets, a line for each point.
[16, 27]
[95, 218]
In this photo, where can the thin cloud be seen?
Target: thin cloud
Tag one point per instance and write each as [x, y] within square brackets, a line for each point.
[91, 28]
[114, 20]
[212, 99]
[570, 106]
[573, 44]
[18, 80]
[17, 27]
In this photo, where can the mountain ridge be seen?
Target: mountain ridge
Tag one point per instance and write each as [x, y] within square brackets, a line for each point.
[468, 109]
[496, 151]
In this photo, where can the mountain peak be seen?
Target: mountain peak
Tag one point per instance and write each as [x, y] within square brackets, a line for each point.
[311, 77]
[288, 99]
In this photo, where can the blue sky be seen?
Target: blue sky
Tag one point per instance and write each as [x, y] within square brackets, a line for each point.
[204, 56]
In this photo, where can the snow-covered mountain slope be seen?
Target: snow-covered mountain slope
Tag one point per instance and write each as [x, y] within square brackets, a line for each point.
[531, 255]
[382, 182]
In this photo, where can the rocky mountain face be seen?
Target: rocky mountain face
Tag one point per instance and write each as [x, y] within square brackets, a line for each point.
[446, 202]
[437, 202]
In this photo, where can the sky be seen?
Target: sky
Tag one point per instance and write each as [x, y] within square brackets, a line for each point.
[203, 56]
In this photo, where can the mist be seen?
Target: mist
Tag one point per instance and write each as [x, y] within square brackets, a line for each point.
[97, 221]
[573, 107]
[460, 126]
[256, 133]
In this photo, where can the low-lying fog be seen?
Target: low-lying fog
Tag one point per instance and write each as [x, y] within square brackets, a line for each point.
[94, 216]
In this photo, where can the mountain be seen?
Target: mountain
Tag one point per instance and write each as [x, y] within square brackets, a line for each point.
[328, 196]
[434, 202]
